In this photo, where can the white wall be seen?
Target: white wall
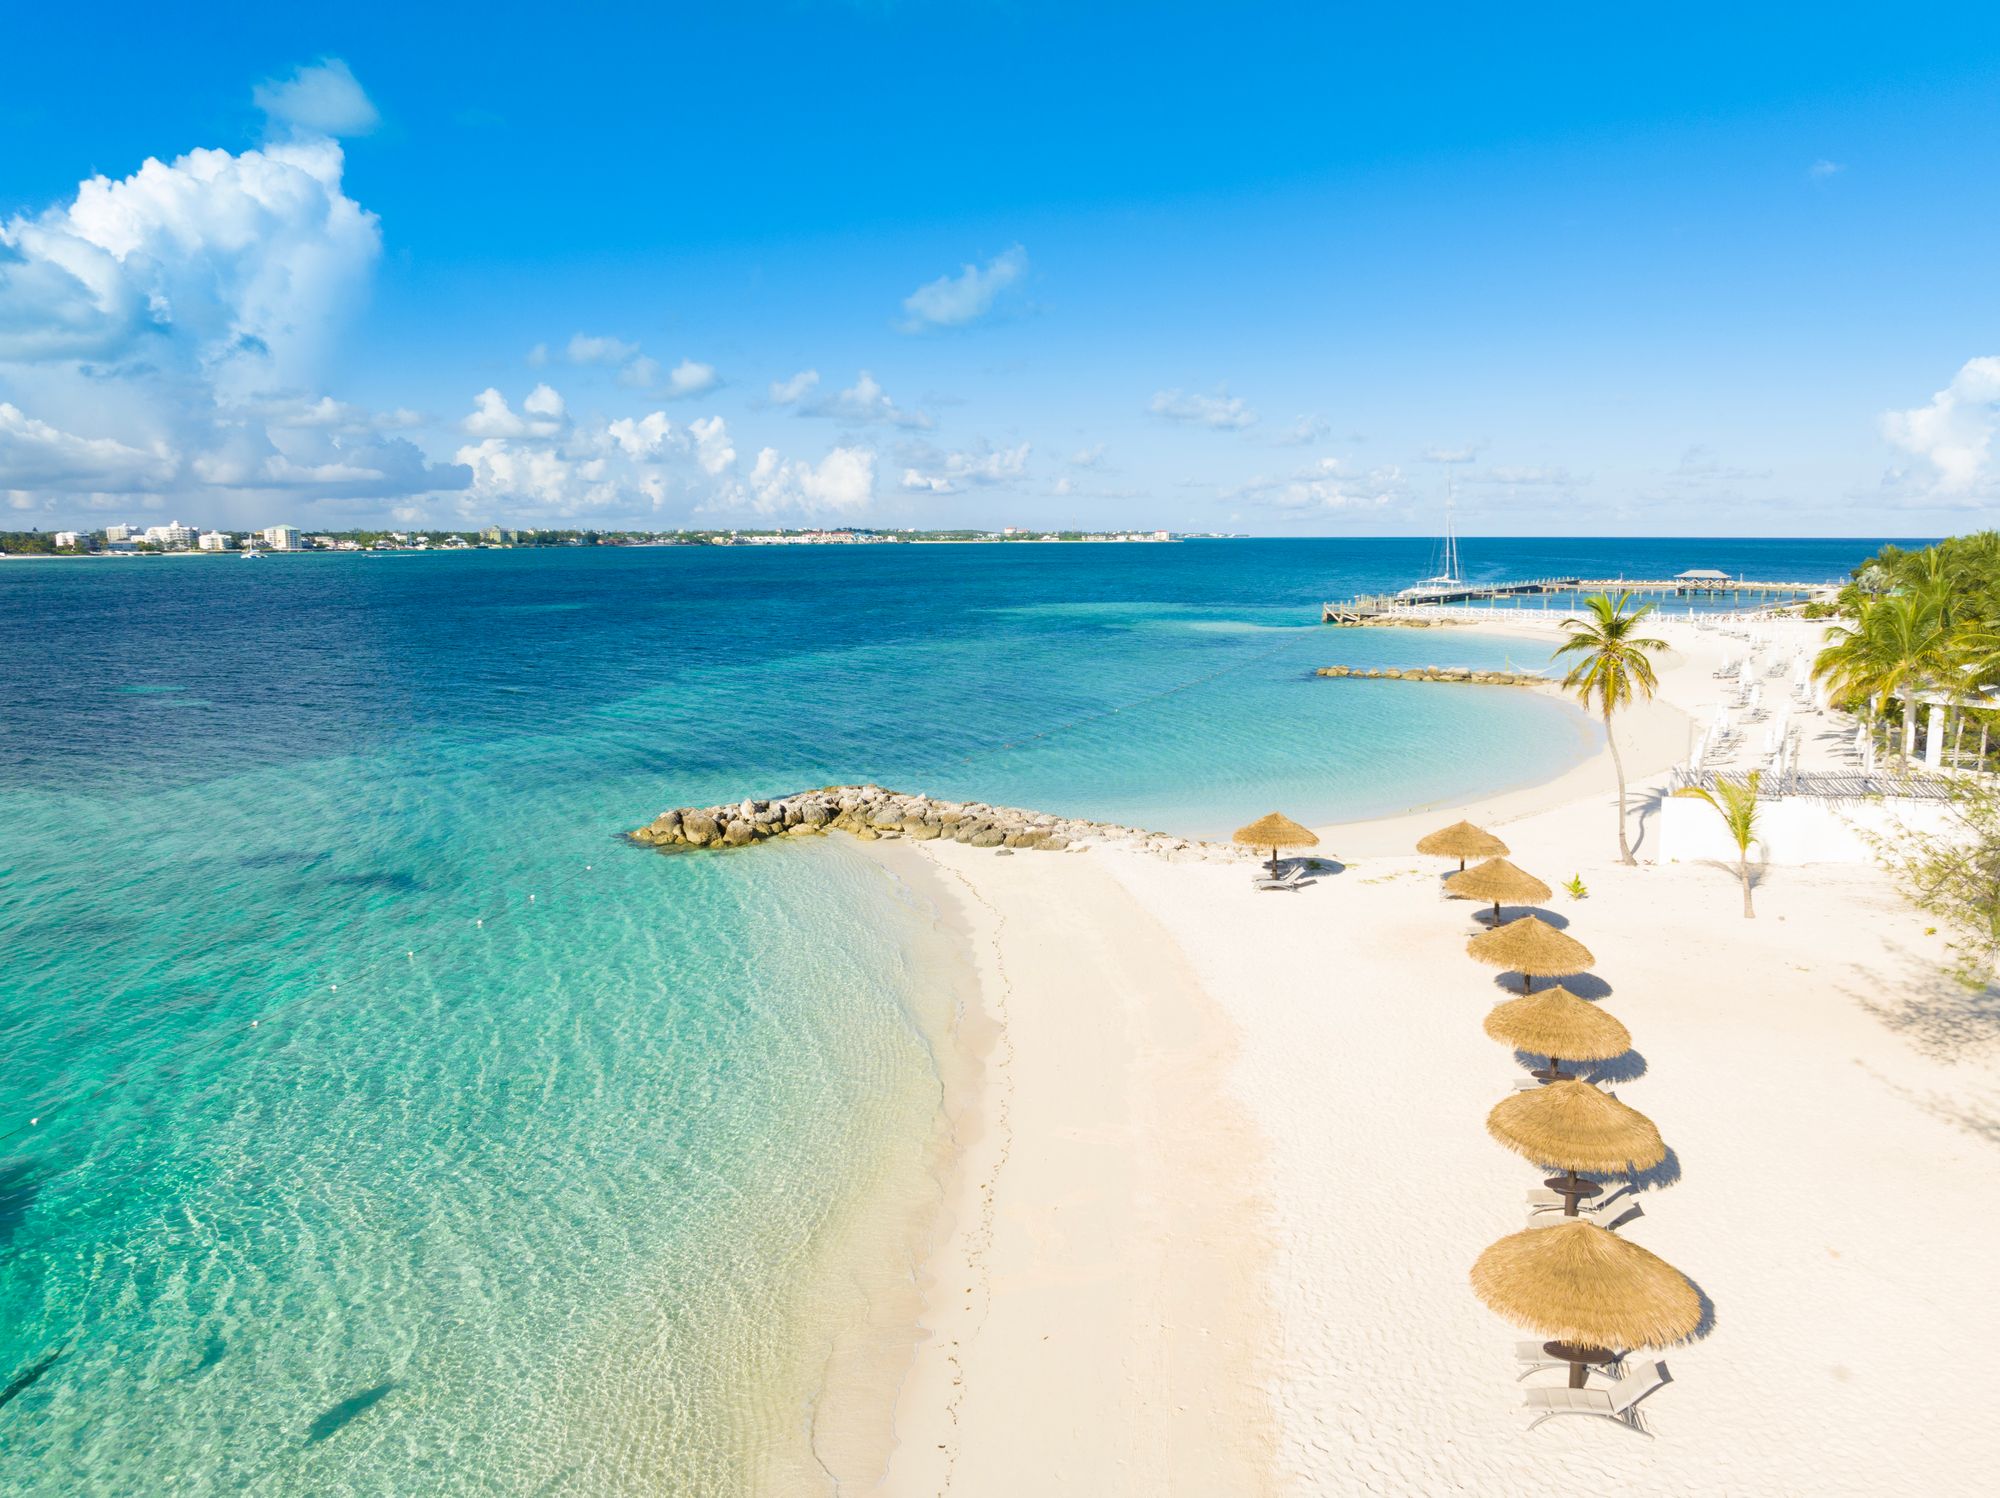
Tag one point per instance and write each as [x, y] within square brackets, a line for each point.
[1797, 829]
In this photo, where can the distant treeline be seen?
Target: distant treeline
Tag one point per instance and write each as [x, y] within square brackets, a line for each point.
[27, 543]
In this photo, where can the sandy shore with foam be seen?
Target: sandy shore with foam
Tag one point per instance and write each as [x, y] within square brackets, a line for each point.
[1212, 1224]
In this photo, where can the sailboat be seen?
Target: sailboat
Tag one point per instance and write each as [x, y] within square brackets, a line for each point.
[1448, 579]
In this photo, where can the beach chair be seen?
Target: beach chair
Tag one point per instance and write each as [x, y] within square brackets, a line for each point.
[1541, 1199]
[1615, 1404]
[1287, 880]
[1533, 1359]
[1610, 1218]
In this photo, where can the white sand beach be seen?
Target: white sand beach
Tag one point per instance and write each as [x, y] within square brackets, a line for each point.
[1213, 1228]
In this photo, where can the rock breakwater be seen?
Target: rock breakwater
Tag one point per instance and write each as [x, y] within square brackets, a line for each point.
[869, 812]
[1436, 673]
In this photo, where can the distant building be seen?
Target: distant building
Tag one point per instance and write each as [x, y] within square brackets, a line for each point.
[68, 539]
[120, 532]
[213, 541]
[283, 538]
[494, 536]
[171, 537]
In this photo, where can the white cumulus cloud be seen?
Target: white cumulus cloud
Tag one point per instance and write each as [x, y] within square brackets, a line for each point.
[164, 333]
[1222, 411]
[585, 348]
[541, 415]
[636, 370]
[35, 455]
[795, 390]
[842, 481]
[1328, 484]
[323, 99]
[956, 470]
[690, 378]
[953, 301]
[864, 403]
[541, 463]
[1954, 433]
[236, 266]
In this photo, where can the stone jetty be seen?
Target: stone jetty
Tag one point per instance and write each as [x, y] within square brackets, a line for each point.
[869, 812]
[1436, 673]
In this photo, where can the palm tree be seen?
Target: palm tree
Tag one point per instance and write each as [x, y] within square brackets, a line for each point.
[1736, 804]
[1902, 642]
[1614, 665]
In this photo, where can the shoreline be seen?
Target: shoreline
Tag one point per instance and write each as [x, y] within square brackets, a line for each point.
[1108, 1200]
[888, 1409]
[1328, 1080]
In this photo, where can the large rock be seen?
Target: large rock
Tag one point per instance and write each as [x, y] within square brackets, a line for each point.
[699, 828]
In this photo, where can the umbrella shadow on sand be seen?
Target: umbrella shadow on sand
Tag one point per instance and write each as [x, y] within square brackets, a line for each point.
[1626, 1068]
[1324, 868]
[1583, 985]
[1659, 1177]
[1484, 915]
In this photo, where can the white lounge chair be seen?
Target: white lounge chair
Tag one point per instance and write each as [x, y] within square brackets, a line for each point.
[1287, 880]
[1534, 1358]
[1614, 1404]
[1605, 1217]
[1612, 1201]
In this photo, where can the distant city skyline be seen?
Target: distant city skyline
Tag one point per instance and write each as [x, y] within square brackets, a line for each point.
[1279, 270]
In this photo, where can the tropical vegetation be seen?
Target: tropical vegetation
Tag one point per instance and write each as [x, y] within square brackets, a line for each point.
[1912, 624]
[1614, 665]
[1735, 801]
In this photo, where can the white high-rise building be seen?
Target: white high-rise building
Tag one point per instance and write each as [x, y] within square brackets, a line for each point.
[284, 538]
[169, 537]
[213, 541]
[69, 538]
[120, 532]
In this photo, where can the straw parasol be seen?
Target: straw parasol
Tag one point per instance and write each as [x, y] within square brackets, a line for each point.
[1497, 880]
[1462, 840]
[1571, 1126]
[1533, 948]
[1557, 1024]
[1590, 1290]
[1274, 832]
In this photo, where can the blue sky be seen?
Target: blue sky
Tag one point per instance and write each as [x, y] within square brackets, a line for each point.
[1259, 268]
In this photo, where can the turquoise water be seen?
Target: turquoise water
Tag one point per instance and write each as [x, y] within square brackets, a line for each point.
[373, 1121]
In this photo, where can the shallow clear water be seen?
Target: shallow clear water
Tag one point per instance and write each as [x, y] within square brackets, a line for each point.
[333, 1162]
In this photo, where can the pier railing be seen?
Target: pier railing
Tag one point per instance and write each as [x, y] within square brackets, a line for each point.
[1396, 605]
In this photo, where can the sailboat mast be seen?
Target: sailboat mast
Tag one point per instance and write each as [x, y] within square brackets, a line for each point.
[1450, 530]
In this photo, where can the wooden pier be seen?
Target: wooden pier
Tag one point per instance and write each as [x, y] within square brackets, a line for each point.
[1379, 606]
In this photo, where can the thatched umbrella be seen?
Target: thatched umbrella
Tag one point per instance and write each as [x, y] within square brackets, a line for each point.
[1593, 1292]
[1497, 880]
[1462, 840]
[1274, 832]
[1533, 948]
[1557, 1024]
[1571, 1126]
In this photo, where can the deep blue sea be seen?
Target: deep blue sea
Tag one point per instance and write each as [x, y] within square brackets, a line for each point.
[373, 1121]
